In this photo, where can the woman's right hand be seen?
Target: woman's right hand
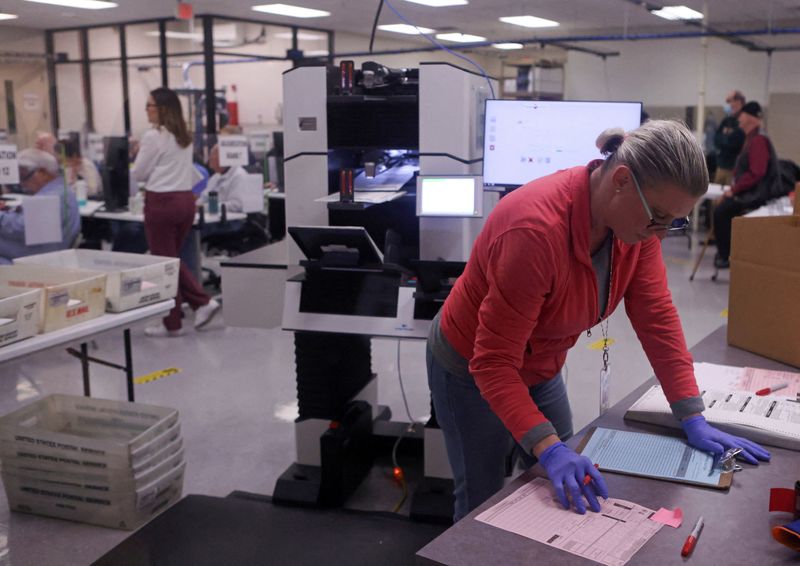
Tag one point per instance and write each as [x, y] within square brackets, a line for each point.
[567, 470]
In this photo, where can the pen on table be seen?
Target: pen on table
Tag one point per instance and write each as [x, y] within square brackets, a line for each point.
[588, 479]
[773, 389]
[691, 540]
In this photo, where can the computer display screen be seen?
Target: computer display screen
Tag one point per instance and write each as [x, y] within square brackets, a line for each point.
[452, 195]
[528, 139]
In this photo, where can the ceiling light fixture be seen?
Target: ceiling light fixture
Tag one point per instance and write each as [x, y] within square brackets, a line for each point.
[507, 46]
[460, 37]
[405, 29]
[529, 21]
[440, 3]
[677, 13]
[82, 4]
[291, 11]
[8, 16]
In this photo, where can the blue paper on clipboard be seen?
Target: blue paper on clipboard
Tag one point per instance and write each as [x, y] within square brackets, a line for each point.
[651, 455]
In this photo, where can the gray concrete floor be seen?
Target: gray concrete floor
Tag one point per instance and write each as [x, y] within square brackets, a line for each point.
[236, 397]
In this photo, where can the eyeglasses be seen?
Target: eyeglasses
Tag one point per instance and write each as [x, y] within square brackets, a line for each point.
[674, 226]
[28, 174]
[151, 105]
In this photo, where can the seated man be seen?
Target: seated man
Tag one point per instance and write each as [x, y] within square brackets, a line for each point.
[755, 172]
[39, 176]
[228, 182]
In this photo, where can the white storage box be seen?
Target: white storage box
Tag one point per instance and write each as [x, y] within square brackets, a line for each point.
[134, 280]
[64, 457]
[76, 429]
[118, 509]
[70, 296]
[19, 314]
[94, 482]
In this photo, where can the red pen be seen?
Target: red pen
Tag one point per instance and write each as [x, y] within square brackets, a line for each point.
[691, 540]
[588, 479]
[773, 389]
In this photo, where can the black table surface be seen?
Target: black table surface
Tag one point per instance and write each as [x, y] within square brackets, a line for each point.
[737, 521]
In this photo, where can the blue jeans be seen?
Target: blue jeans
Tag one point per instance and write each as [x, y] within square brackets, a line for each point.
[477, 441]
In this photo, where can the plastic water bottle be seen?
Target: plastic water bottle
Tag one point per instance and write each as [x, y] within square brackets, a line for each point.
[213, 202]
[81, 192]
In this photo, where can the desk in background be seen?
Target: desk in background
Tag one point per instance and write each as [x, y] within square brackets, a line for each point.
[737, 529]
[83, 332]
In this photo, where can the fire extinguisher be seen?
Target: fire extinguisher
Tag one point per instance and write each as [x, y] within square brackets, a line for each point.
[233, 108]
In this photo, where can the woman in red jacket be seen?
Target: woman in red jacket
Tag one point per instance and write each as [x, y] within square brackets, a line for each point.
[555, 258]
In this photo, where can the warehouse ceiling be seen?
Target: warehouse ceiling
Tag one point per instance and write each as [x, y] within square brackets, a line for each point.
[577, 18]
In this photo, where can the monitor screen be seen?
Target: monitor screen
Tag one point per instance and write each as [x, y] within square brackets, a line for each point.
[528, 139]
[451, 195]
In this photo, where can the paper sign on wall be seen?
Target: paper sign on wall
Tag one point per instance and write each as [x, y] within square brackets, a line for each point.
[31, 102]
[42, 220]
[233, 151]
[9, 167]
[95, 147]
[253, 195]
[259, 142]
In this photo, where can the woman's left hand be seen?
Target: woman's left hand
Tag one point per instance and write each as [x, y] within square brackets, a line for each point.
[705, 437]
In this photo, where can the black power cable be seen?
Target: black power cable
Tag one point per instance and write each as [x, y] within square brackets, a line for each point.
[375, 25]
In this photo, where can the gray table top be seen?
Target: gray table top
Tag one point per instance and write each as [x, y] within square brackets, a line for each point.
[737, 521]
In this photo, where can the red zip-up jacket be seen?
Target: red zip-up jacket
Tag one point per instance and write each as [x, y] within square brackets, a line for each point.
[529, 290]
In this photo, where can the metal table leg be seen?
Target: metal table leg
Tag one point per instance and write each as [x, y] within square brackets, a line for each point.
[85, 369]
[128, 362]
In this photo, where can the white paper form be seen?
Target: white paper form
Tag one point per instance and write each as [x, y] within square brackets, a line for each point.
[366, 197]
[610, 537]
[42, 220]
[650, 455]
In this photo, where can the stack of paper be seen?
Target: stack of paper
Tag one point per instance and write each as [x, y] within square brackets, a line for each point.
[731, 404]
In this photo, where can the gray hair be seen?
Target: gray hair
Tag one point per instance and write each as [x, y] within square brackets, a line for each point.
[33, 159]
[658, 152]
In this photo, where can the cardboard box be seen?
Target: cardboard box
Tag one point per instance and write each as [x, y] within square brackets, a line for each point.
[70, 296]
[19, 314]
[764, 310]
[134, 280]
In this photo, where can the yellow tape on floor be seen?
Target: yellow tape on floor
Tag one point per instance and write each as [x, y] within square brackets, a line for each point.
[599, 344]
[155, 376]
[724, 314]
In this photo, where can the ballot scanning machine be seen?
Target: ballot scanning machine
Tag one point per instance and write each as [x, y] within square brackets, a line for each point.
[383, 266]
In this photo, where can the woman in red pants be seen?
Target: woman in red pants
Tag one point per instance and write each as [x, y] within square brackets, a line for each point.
[164, 164]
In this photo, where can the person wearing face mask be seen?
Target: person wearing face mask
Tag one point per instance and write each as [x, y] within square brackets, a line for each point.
[755, 174]
[555, 258]
[729, 138]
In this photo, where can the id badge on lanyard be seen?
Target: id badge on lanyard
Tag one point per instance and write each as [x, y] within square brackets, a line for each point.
[605, 373]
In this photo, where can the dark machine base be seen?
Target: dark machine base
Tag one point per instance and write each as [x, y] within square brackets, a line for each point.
[433, 501]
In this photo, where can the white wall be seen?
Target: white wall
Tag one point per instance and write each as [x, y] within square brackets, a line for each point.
[29, 78]
[667, 73]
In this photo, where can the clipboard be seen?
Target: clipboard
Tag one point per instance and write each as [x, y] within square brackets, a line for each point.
[606, 450]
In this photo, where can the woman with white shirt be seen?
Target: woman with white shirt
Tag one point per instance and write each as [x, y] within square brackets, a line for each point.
[164, 165]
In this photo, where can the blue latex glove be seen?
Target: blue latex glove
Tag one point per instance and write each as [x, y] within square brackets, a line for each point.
[705, 437]
[567, 468]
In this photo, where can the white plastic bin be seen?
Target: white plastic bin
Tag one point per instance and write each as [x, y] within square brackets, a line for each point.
[134, 280]
[118, 509]
[70, 296]
[19, 314]
[76, 429]
[93, 482]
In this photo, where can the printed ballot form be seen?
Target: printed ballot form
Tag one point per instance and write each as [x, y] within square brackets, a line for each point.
[610, 537]
[731, 403]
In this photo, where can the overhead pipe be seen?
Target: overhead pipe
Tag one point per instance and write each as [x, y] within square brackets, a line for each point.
[591, 38]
